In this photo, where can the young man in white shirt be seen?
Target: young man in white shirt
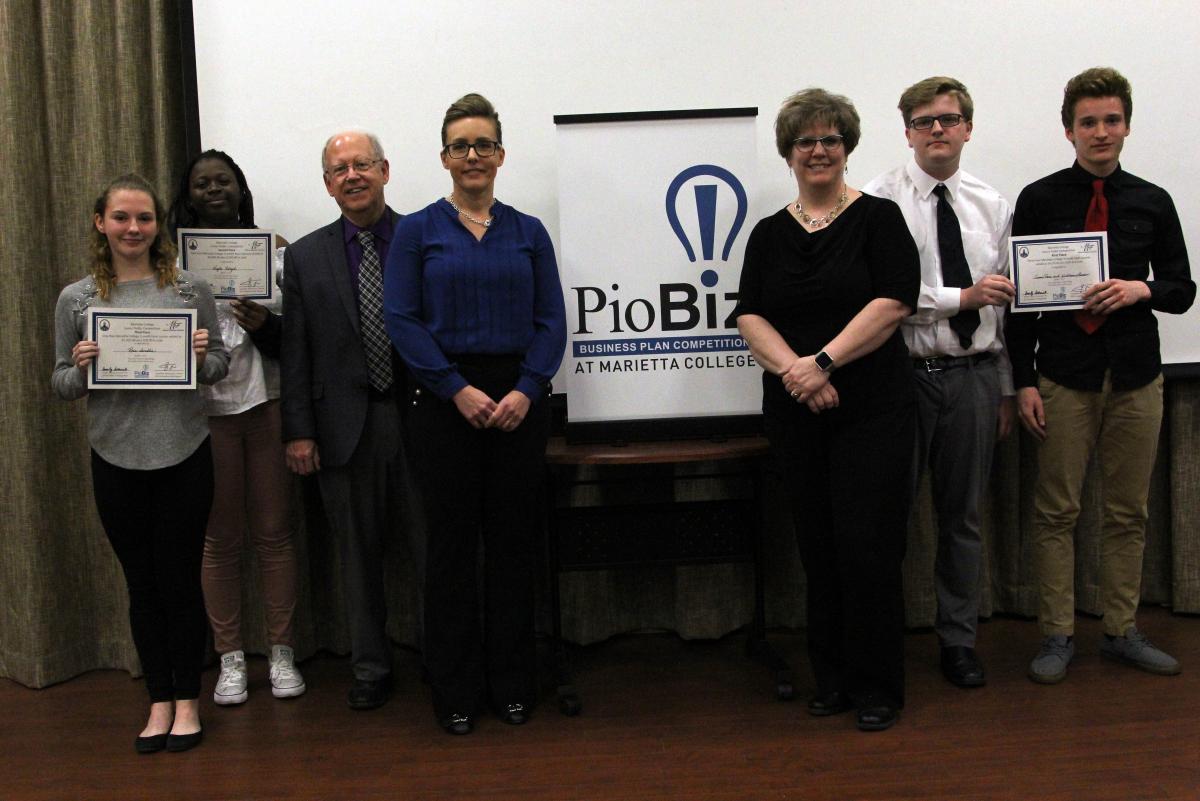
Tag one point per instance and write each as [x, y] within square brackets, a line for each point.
[955, 338]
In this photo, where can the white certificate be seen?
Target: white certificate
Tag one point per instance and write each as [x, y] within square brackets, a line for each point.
[237, 263]
[1052, 271]
[142, 348]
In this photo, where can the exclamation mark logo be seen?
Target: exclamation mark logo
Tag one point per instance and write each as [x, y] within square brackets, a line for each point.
[706, 214]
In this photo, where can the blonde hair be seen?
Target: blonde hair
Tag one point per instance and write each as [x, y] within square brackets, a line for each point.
[162, 249]
[926, 91]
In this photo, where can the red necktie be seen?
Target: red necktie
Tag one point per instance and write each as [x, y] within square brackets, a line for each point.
[1096, 220]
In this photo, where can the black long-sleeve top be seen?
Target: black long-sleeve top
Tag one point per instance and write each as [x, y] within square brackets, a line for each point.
[1143, 232]
[810, 284]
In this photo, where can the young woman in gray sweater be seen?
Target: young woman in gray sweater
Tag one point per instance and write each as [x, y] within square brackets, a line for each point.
[152, 472]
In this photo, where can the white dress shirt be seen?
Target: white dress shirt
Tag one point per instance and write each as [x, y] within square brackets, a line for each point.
[986, 221]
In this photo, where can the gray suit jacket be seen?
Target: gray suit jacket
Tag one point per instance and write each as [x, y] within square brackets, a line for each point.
[323, 368]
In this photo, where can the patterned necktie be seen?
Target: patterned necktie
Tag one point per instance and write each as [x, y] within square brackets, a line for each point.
[370, 315]
[955, 272]
[1096, 220]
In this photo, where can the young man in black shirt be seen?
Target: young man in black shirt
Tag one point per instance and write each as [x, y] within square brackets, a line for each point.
[1092, 379]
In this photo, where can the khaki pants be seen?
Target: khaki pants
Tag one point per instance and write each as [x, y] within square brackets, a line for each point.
[251, 499]
[1124, 426]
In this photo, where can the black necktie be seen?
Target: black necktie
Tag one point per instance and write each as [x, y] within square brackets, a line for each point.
[955, 271]
[370, 315]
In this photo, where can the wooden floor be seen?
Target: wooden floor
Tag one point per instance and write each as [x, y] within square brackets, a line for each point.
[663, 719]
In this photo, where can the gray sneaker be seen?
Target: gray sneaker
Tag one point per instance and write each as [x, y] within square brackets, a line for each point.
[286, 681]
[1050, 664]
[1134, 649]
[231, 685]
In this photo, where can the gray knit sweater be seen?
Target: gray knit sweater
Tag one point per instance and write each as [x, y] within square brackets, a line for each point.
[138, 429]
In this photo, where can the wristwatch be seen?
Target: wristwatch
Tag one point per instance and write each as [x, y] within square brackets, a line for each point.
[825, 362]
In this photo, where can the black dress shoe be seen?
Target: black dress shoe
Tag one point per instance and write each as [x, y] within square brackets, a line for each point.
[150, 745]
[877, 717]
[184, 742]
[515, 714]
[457, 723]
[368, 694]
[962, 667]
[831, 703]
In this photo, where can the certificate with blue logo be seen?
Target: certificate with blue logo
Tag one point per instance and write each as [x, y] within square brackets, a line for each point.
[1052, 271]
[237, 263]
[142, 348]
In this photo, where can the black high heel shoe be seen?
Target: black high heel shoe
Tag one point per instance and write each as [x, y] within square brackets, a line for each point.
[830, 703]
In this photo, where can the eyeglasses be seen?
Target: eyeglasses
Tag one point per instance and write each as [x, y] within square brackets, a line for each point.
[360, 165]
[807, 143]
[483, 149]
[926, 123]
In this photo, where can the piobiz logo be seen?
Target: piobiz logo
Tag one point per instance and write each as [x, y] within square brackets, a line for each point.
[652, 270]
[681, 306]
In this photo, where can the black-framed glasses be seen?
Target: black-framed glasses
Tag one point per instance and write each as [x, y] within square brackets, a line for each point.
[483, 148]
[944, 120]
[807, 143]
[360, 165]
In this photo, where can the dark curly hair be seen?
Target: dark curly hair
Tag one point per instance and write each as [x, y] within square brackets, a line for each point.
[181, 213]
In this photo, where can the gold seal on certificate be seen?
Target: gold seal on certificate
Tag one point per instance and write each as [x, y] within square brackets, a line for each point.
[142, 348]
[1052, 271]
[237, 263]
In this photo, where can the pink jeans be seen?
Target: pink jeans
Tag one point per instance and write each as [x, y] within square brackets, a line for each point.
[251, 494]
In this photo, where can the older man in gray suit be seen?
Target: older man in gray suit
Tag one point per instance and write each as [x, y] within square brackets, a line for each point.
[340, 384]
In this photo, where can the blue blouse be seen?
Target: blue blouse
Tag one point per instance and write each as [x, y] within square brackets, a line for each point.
[447, 293]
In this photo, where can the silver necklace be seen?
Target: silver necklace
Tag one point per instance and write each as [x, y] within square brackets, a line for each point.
[485, 223]
[821, 222]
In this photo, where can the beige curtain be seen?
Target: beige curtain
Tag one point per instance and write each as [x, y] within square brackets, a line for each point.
[88, 90]
[91, 89]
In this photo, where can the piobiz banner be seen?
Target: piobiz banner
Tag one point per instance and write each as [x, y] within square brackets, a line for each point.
[655, 213]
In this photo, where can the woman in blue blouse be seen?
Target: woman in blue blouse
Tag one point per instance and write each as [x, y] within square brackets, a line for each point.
[473, 304]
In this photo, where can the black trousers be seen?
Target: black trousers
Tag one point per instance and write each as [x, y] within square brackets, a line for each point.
[848, 480]
[155, 521]
[479, 489]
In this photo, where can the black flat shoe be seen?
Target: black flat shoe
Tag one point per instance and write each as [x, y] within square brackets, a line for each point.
[150, 745]
[457, 724]
[184, 742]
[515, 714]
[832, 703]
[877, 717]
[367, 694]
[962, 667]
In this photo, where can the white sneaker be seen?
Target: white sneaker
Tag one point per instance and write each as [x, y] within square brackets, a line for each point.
[286, 681]
[231, 686]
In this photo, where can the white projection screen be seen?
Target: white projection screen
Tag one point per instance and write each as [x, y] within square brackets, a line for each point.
[276, 77]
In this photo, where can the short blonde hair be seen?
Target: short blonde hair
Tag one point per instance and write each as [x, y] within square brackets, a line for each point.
[471, 105]
[925, 91]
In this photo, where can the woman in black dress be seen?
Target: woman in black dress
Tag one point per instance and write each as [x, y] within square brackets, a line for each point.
[825, 284]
